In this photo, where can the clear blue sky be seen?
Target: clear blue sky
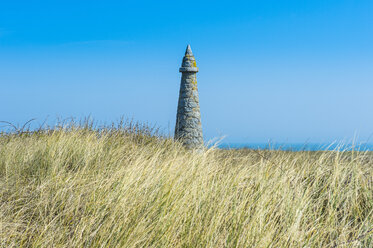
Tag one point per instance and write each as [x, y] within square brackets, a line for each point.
[287, 71]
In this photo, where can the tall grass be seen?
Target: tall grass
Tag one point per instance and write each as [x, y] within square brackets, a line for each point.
[128, 187]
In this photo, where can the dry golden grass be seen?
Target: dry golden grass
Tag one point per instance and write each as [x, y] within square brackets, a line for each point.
[79, 187]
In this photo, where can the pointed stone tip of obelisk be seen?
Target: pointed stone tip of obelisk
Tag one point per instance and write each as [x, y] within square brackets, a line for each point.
[188, 51]
[189, 62]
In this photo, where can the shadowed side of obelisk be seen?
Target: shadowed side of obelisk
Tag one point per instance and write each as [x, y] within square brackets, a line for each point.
[188, 120]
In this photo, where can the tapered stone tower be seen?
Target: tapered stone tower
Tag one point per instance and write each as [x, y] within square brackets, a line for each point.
[188, 121]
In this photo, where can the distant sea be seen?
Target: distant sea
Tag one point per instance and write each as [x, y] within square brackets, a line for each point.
[299, 146]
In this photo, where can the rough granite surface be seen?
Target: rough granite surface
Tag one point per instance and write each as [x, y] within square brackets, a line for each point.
[188, 120]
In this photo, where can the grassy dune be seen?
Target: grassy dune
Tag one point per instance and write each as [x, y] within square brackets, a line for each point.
[126, 187]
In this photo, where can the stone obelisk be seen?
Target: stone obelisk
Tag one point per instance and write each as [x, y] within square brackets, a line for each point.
[188, 120]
